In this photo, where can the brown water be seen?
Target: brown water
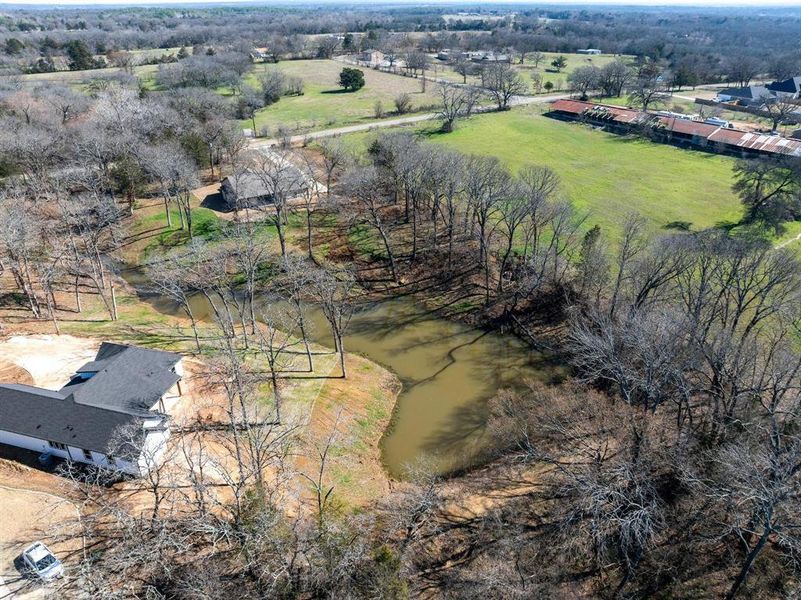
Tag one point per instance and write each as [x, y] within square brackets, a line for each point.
[448, 371]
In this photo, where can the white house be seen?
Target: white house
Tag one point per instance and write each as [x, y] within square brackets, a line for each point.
[114, 412]
[592, 51]
[372, 57]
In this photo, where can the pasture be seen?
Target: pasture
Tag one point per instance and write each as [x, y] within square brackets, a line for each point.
[325, 104]
[442, 70]
[605, 176]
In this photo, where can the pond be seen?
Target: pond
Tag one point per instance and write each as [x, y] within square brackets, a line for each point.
[448, 369]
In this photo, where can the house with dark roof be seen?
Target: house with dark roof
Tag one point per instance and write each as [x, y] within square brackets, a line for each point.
[113, 413]
[753, 95]
[248, 188]
[789, 88]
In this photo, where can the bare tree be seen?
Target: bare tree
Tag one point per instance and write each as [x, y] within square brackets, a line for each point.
[779, 108]
[335, 158]
[503, 83]
[333, 293]
[455, 103]
[614, 77]
[486, 184]
[364, 188]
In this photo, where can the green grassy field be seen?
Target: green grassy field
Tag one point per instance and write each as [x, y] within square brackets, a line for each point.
[559, 80]
[527, 69]
[604, 175]
[324, 104]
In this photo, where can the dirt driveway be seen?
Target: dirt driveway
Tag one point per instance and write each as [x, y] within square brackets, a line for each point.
[49, 359]
[31, 503]
[25, 517]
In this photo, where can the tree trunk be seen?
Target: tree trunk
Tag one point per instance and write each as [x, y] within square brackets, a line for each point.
[749, 561]
[78, 296]
[113, 300]
[342, 357]
[309, 246]
[390, 255]
[167, 212]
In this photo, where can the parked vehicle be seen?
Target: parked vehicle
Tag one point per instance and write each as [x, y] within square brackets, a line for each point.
[717, 121]
[41, 562]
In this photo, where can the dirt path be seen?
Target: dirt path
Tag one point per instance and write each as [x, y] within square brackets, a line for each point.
[788, 242]
[27, 516]
[11, 373]
[324, 133]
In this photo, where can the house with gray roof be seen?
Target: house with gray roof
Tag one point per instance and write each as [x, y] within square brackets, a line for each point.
[753, 95]
[113, 413]
[789, 88]
[250, 188]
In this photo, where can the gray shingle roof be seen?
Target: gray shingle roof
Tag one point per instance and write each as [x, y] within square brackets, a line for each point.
[752, 92]
[54, 416]
[127, 378]
[790, 86]
[247, 187]
[86, 413]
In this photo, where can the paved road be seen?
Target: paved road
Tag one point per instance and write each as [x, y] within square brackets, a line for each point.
[324, 133]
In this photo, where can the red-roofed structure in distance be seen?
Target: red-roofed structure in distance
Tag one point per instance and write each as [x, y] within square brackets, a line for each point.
[677, 129]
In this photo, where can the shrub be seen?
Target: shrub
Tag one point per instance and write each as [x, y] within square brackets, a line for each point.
[403, 103]
[351, 79]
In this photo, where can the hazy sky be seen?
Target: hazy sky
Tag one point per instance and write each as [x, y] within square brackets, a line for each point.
[765, 3]
[756, 3]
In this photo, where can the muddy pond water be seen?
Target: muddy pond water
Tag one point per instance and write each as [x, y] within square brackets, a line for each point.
[449, 370]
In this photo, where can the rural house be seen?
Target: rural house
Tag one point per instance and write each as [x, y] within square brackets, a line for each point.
[372, 57]
[753, 95]
[248, 189]
[113, 412]
[591, 51]
[789, 88]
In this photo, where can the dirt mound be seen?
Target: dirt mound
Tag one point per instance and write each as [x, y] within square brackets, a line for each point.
[11, 373]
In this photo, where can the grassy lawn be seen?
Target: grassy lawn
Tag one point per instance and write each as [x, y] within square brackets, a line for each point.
[324, 104]
[559, 79]
[544, 69]
[606, 174]
[603, 174]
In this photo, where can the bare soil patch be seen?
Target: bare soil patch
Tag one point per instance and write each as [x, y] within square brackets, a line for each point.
[11, 373]
[49, 360]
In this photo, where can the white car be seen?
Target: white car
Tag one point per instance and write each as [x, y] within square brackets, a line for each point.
[41, 562]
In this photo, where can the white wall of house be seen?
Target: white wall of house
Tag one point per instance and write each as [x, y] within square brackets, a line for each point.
[152, 451]
[153, 447]
[30, 443]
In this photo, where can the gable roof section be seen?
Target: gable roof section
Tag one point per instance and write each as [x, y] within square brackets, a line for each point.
[248, 185]
[55, 416]
[772, 144]
[752, 92]
[86, 413]
[127, 378]
[618, 114]
[574, 107]
[687, 127]
[790, 86]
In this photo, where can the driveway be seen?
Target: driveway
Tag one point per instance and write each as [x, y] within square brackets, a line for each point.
[25, 517]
